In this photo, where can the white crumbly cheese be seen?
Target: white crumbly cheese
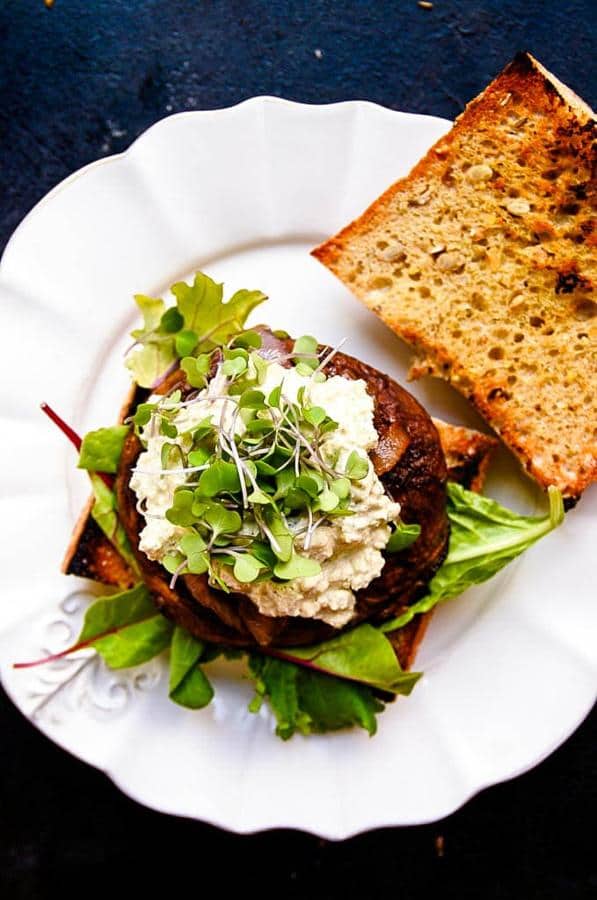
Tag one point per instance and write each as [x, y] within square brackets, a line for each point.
[348, 549]
[154, 489]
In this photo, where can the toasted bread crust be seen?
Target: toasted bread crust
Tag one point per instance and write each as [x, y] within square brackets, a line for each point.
[483, 259]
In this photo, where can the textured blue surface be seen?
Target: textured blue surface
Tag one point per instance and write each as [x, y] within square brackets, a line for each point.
[81, 81]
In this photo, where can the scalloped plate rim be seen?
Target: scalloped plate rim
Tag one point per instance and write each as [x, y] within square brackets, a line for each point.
[223, 822]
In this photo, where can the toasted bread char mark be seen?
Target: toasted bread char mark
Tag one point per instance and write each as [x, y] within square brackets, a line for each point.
[483, 259]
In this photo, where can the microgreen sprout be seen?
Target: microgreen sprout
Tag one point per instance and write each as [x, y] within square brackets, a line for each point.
[258, 478]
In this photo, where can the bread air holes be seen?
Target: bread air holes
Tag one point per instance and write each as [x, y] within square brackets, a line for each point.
[585, 309]
[536, 321]
[518, 338]
[381, 283]
[496, 353]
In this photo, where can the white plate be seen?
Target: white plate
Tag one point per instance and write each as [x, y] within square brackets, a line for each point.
[244, 193]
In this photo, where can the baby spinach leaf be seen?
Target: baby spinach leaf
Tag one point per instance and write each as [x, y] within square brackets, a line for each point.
[101, 449]
[276, 681]
[332, 704]
[188, 684]
[362, 654]
[484, 537]
[125, 629]
[308, 701]
[330, 685]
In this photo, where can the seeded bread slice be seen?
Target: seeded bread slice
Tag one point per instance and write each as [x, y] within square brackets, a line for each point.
[483, 258]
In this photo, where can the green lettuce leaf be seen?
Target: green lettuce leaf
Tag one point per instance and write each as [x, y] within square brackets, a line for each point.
[125, 628]
[484, 537]
[101, 449]
[152, 311]
[331, 685]
[188, 684]
[105, 512]
[151, 361]
[362, 654]
[205, 313]
[199, 322]
[311, 702]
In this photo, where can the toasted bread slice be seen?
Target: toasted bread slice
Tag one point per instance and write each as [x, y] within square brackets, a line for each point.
[483, 258]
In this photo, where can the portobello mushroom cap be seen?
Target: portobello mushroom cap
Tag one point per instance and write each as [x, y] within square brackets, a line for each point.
[411, 465]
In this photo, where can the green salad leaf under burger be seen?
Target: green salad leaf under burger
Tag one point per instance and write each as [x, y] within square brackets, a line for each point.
[261, 498]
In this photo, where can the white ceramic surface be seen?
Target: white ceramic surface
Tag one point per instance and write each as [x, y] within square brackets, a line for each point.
[244, 193]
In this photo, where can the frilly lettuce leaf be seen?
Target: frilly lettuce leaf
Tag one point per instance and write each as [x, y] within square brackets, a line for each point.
[204, 322]
[152, 311]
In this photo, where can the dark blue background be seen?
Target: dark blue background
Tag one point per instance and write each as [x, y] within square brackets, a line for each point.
[80, 81]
